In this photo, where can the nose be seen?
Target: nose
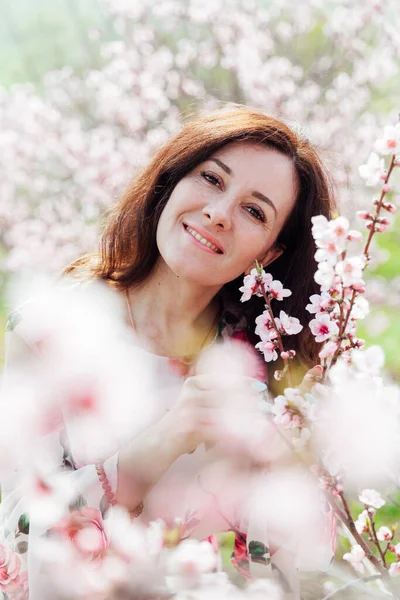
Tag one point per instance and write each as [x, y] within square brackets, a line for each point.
[219, 214]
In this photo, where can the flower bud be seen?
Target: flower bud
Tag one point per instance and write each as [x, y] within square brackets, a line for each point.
[386, 188]
[381, 227]
[364, 214]
[292, 353]
[359, 286]
[354, 236]
[390, 207]
[285, 355]
[278, 375]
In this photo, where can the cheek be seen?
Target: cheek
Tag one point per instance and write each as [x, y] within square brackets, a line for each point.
[254, 245]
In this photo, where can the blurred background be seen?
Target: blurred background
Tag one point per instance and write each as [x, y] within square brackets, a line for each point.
[90, 88]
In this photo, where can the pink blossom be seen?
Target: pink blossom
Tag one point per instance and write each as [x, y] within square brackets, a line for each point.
[389, 143]
[360, 308]
[350, 270]
[284, 415]
[355, 558]
[384, 534]
[264, 326]
[320, 302]
[390, 207]
[268, 349]
[277, 291]
[371, 498]
[315, 305]
[340, 227]
[291, 325]
[319, 225]
[251, 284]
[324, 275]
[327, 251]
[10, 565]
[373, 170]
[354, 235]
[85, 530]
[322, 327]
[364, 215]
[329, 349]
[362, 522]
[396, 550]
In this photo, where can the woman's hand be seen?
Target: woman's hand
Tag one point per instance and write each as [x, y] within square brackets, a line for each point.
[210, 409]
[312, 377]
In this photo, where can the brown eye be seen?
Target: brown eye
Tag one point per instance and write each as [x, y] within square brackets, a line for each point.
[256, 212]
[211, 178]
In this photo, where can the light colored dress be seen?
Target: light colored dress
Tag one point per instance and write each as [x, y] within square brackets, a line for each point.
[205, 493]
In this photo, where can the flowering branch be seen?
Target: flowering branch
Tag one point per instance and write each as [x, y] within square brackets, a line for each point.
[340, 304]
[271, 328]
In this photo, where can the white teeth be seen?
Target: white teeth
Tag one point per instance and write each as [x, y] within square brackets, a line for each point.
[202, 240]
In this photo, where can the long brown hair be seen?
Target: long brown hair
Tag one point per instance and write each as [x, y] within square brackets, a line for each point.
[129, 251]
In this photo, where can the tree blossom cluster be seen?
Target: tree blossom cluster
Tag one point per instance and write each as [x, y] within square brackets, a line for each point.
[270, 328]
[347, 427]
[70, 148]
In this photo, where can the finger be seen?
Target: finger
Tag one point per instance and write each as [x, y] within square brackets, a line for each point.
[312, 377]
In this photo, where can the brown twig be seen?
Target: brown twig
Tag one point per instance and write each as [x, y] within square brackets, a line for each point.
[375, 537]
[279, 338]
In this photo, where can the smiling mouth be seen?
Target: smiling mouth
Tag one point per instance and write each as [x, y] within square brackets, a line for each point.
[202, 240]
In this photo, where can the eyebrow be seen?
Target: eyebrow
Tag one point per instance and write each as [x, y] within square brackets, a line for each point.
[258, 195]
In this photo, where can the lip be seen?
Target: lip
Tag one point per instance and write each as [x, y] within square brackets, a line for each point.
[206, 235]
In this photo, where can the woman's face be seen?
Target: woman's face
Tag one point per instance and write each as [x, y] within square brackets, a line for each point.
[227, 213]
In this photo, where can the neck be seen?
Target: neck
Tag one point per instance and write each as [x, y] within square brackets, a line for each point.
[172, 316]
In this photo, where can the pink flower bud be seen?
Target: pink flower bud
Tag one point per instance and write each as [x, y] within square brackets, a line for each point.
[359, 343]
[383, 176]
[354, 236]
[386, 188]
[390, 207]
[359, 286]
[364, 214]
[285, 355]
[381, 227]
[292, 353]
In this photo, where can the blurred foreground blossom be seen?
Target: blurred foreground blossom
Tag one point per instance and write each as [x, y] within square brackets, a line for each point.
[77, 364]
[359, 397]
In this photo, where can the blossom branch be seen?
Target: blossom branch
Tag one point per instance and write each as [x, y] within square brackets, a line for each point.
[375, 539]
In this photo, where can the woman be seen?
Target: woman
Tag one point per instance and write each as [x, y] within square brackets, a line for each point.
[231, 188]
